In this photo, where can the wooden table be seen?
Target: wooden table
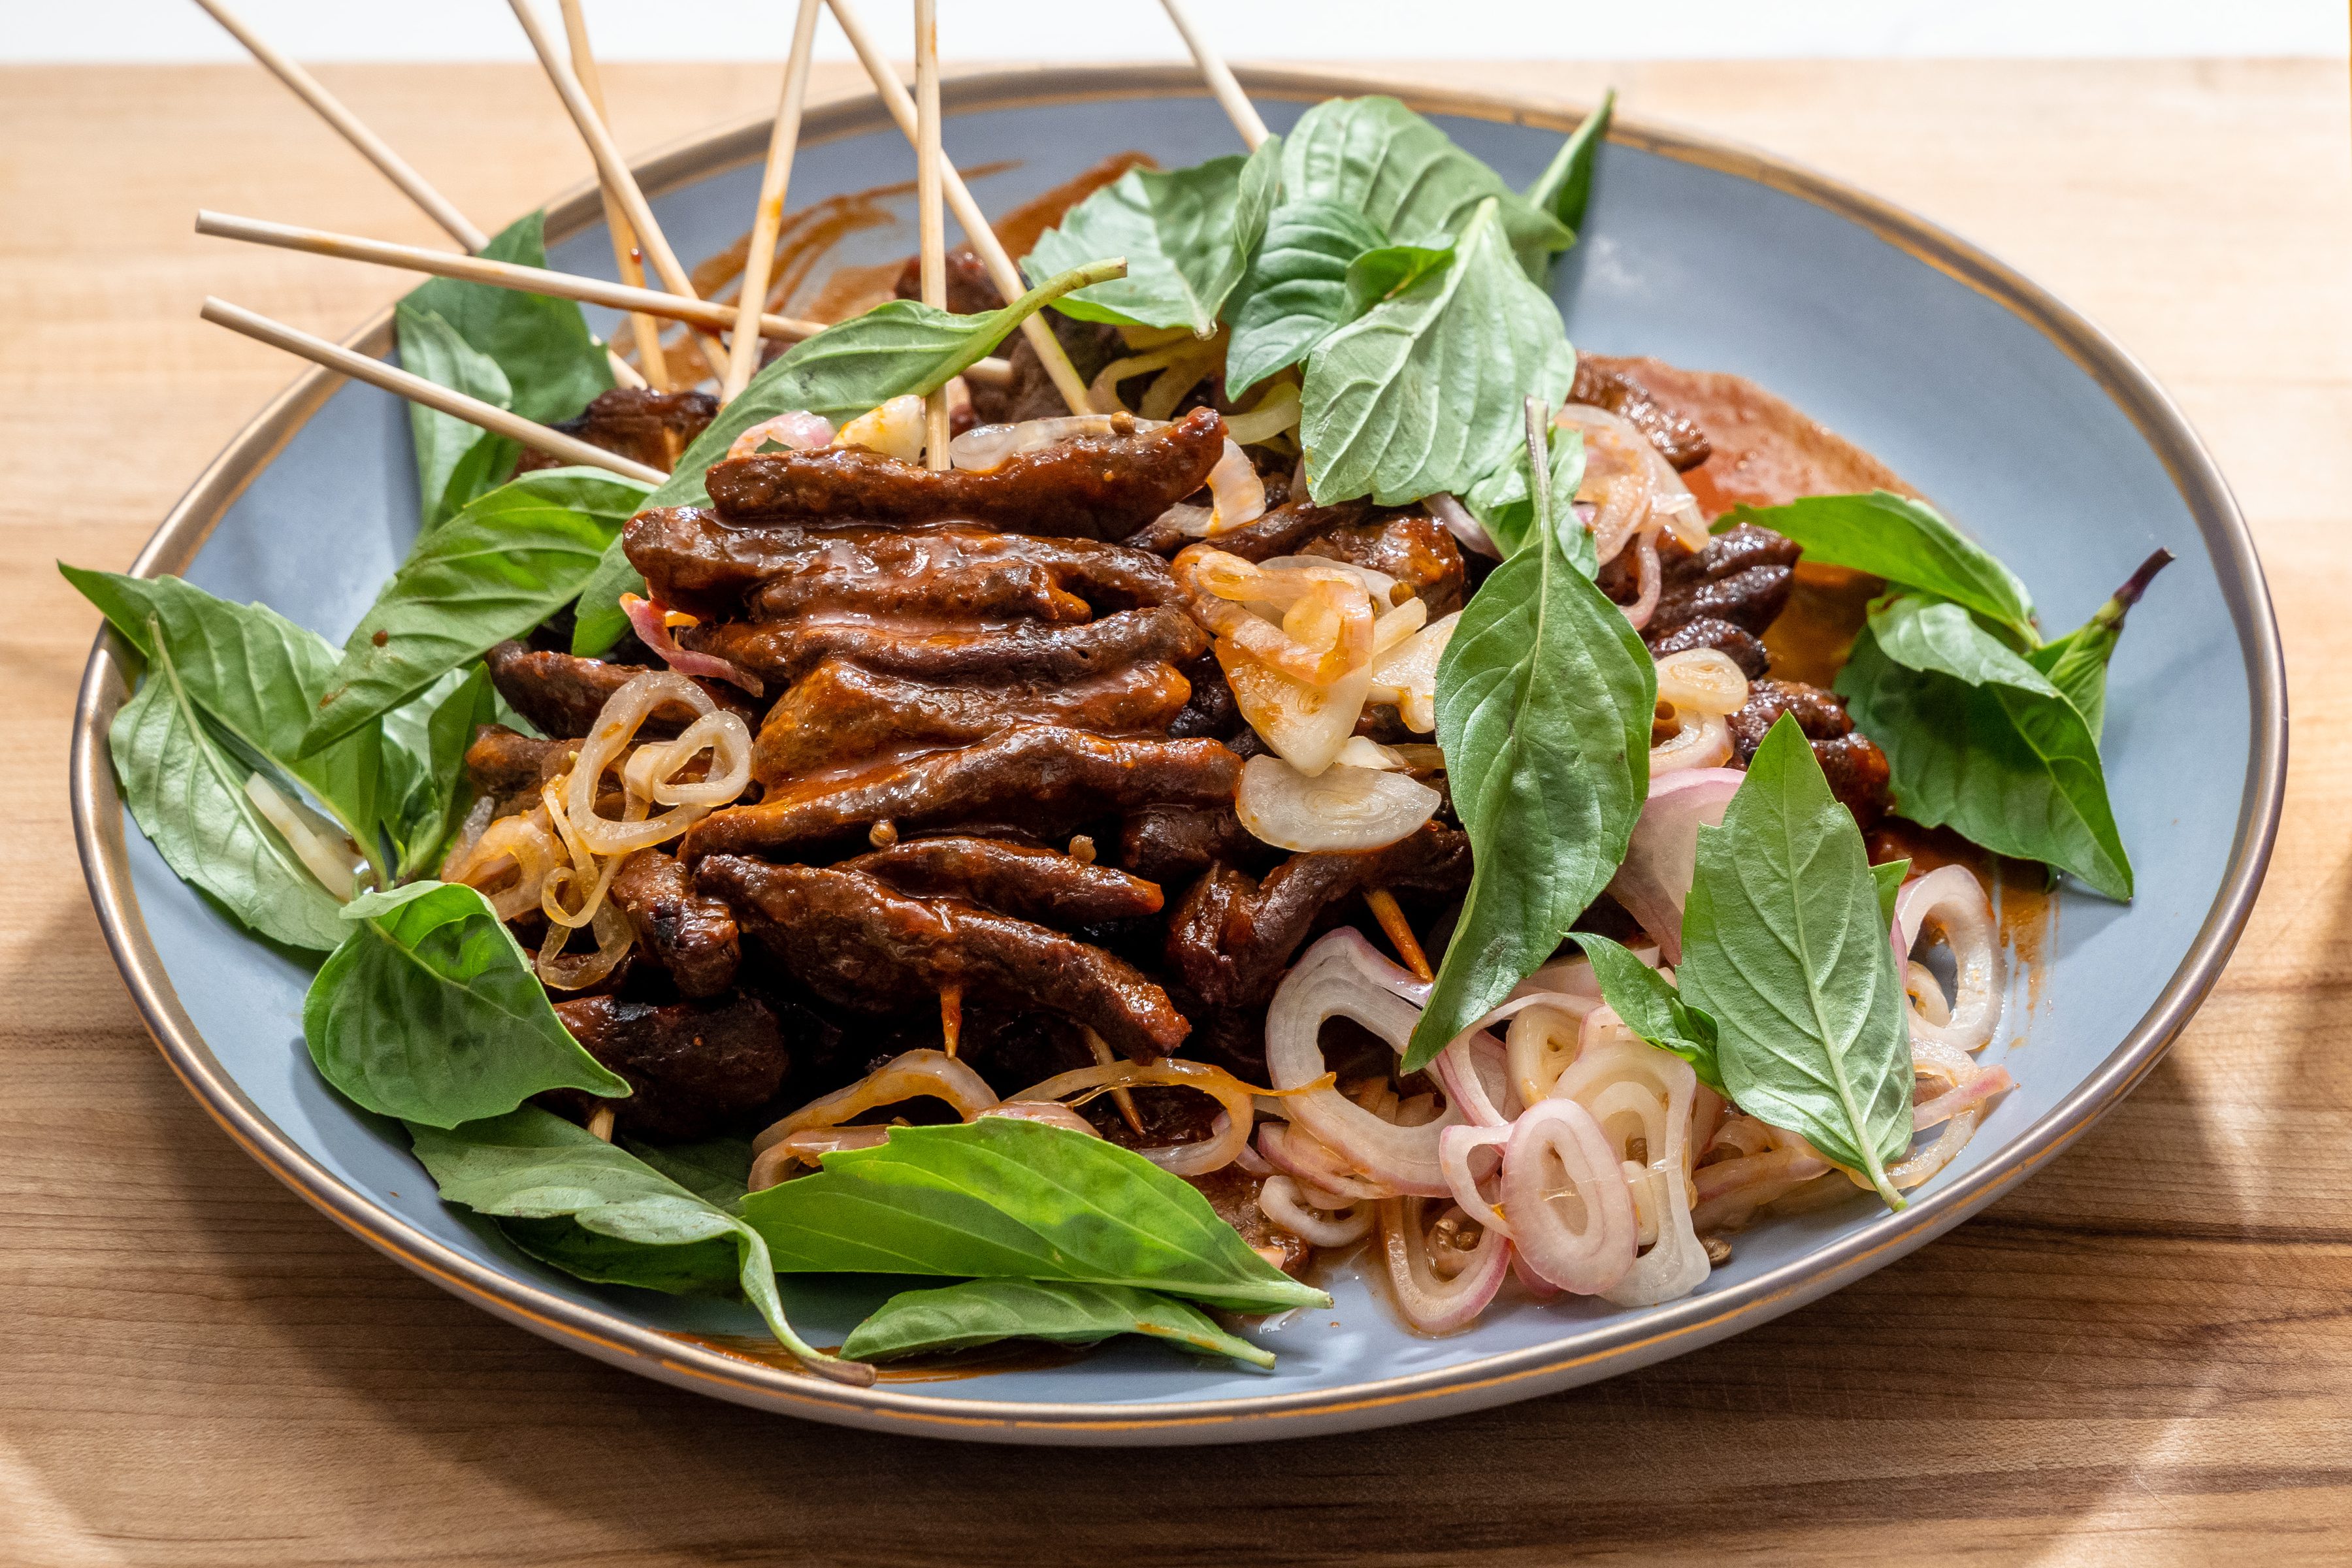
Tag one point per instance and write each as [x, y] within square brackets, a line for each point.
[2144, 1356]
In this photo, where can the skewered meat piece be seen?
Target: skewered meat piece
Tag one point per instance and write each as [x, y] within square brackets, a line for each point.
[1743, 576]
[1414, 549]
[652, 427]
[502, 763]
[784, 652]
[854, 942]
[696, 563]
[562, 694]
[694, 1067]
[1038, 779]
[1041, 885]
[1857, 769]
[970, 291]
[1616, 385]
[1744, 648]
[1233, 936]
[1091, 345]
[1281, 531]
[840, 713]
[691, 937]
[1170, 844]
[1089, 486]
[1210, 710]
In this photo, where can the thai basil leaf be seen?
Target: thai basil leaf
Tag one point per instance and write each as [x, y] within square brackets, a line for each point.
[597, 619]
[188, 797]
[496, 570]
[554, 367]
[456, 462]
[1504, 508]
[1422, 392]
[1889, 875]
[717, 1170]
[1651, 1007]
[1544, 702]
[257, 674]
[439, 789]
[1565, 187]
[2076, 663]
[1939, 636]
[1296, 290]
[1388, 270]
[1407, 176]
[1783, 945]
[981, 1311]
[998, 1198]
[1904, 542]
[2016, 771]
[1187, 235]
[429, 1011]
[568, 1196]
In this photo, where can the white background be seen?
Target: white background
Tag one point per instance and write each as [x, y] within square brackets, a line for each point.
[974, 30]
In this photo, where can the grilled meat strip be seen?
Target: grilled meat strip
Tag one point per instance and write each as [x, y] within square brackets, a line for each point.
[694, 1067]
[1745, 648]
[1041, 885]
[1616, 385]
[653, 427]
[1232, 937]
[563, 693]
[1414, 549]
[1026, 652]
[1090, 487]
[691, 937]
[1857, 769]
[1175, 844]
[1742, 577]
[854, 942]
[502, 763]
[1280, 531]
[696, 563]
[840, 713]
[1039, 779]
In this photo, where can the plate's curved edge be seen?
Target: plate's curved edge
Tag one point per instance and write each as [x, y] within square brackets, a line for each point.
[1576, 1358]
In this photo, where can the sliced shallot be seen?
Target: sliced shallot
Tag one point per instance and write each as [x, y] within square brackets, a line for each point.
[1661, 856]
[1570, 1213]
[1431, 1304]
[797, 431]
[1342, 807]
[913, 1075]
[1636, 1091]
[1280, 1200]
[1951, 901]
[652, 626]
[1408, 676]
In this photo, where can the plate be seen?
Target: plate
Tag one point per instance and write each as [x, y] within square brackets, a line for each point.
[2020, 419]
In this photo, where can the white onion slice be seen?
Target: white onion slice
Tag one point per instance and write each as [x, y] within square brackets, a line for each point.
[913, 1075]
[1572, 1215]
[1408, 676]
[1700, 740]
[989, 446]
[1280, 1201]
[1950, 899]
[1236, 495]
[1661, 856]
[1275, 412]
[1433, 1305]
[1455, 1146]
[1633, 1089]
[319, 844]
[1342, 807]
[1702, 680]
[1228, 1137]
[799, 431]
[895, 429]
[728, 739]
[1461, 522]
[1050, 1113]
[1543, 1038]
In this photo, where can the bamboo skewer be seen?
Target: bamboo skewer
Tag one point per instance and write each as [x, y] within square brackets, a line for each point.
[933, 253]
[1007, 277]
[1122, 1097]
[431, 393]
[613, 170]
[647, 329]
[371, 146]
[1400, 931]
[951, 1017]
[768, 218]
[1229, 94]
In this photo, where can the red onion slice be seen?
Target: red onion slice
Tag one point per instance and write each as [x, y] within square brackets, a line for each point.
[652, 630]
[799, 431]
[1301, 1156]
[1637, 1090]
[1455, 1146]
[1951, 899]
[1433, 1305]
[1661, 856]
[1280, 1201]
[1558, 1153]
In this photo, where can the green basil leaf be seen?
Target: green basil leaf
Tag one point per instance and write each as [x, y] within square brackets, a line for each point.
[597, 619]
[1018, 1200]
[1504, 508]
[1544, 702]
[532, 1166]
[1651, 1007]
[1407, 176]
[456, 462]
[1565, 187]
[1187, 235]
[1388, 270]
[1889, 875]
[552, 364]
[429, 1011]
[2076, 663]
[1423, 392]
[1296, 288]
[187, 795]
[981, 1311]
[1904, 542]
[439, 789]
[717, 1170]
[2015, 771]
[255, 675]
[493, 571]
[1936, 636]
[1783, 945]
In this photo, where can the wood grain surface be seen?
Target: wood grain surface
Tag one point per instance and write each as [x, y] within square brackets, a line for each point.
[2144, 1356]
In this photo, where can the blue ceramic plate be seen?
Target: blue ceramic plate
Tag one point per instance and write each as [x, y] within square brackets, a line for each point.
[2018, 416]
